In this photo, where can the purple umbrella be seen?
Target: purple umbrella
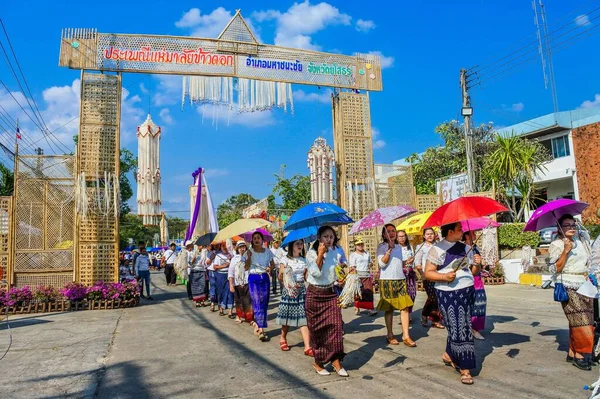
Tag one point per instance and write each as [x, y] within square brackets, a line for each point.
[248, 236]
[478, 224]
[548, 214]
[381, 216]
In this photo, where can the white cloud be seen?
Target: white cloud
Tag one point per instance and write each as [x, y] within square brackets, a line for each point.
[386, 62]
[301, 20]
[323, 96]
[378, 144]
[165, 115]
[516, 107]
[60, 110]
[219, 115]
[365, 26]
[168, 90]
[143, 89]
[591, 104]
[583, 20]
[216, 172]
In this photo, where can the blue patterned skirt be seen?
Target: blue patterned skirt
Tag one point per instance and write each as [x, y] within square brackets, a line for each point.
[224, 295]
[291, 310]
[259, 287]
[456, 309]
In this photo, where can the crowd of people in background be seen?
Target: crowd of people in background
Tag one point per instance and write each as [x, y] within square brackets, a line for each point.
[239, 279]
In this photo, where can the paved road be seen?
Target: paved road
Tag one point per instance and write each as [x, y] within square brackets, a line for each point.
[169, 348]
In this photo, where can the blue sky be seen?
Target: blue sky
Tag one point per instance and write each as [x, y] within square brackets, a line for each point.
[424, 44]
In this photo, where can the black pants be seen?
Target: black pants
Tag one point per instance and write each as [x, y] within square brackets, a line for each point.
[274, 280]
[207, 287]
[170, 274]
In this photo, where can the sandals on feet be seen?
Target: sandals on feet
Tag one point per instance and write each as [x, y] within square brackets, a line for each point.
[392, 341]
[262, 336]
[284, 346]
[409, 342]
[438, 325]
[309, 352]
[466, 378]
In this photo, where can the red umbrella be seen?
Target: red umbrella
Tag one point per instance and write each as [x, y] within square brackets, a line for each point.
[464, 208]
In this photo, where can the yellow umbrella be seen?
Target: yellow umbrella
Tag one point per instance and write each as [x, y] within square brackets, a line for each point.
[414, 224]
[238, 227]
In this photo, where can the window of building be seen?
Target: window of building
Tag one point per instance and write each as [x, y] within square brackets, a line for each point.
[558, 147]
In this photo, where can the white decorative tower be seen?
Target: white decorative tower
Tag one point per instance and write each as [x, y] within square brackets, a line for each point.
[148, 174]
[321, 162]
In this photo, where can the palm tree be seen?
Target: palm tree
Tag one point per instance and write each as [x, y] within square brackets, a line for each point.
[513, 167]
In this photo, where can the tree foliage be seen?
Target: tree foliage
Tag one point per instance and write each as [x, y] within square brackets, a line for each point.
[294, 192]
[128, 164]
[513, 166]
[6, 181]
[131, 227]
[449, 159]
[231, 210]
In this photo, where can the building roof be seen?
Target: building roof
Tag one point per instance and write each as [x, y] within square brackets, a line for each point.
[554, 122]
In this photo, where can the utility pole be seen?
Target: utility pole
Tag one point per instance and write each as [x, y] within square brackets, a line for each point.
[467, 113]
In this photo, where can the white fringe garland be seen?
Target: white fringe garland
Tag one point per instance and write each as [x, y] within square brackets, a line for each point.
[289, 282]
[351, 290]
[107, 199]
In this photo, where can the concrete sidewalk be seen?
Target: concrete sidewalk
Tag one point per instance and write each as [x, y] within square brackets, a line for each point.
[169, 348]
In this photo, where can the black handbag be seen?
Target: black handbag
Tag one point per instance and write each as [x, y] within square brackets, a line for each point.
[560, 292]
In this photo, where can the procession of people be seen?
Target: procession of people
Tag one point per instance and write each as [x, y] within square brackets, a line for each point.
[235, 280]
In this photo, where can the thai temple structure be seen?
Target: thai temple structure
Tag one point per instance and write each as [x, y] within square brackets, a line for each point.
[321, 162]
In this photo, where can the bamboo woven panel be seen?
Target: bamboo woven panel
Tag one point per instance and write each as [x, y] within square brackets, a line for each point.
[100, 100]
[5, 241]
[46, 167]
[97, 262]
[60, 215]
[428, 203]
[32, 280]
[97, 144]
[44, 261]
[213, 57]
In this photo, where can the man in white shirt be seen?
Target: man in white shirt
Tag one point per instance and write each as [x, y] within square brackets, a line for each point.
[278, 254]
[169, 261]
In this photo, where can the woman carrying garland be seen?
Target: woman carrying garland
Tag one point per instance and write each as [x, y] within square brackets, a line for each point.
[392, 283]
[291, 313]
[449, 265]
[223, 294]
[259, 262]
[323, 314]
[238, 285]
[359, 262]
[569, 255]
[430, 309]
[408, 258]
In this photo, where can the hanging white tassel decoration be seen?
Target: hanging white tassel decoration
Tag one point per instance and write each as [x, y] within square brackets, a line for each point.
[289, 282]
[351, 290]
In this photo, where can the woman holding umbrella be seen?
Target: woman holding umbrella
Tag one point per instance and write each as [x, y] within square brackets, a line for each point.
[394, 293]
[569, 255]
[454, 284]
[222, 291]
[430, 309]
[259, 262]
[323, 314]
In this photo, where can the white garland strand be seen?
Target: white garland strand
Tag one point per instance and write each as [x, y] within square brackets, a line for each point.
[289, 282]
[351, 290]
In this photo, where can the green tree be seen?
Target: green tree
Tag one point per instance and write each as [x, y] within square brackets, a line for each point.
[449, 159]
[131, 227]
[294, 192]
[513, 167]
[128, 164]
[6, 181]
[177, 227]
[231, 210]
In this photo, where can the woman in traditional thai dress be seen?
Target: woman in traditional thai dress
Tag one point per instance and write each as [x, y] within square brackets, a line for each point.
[210, 267]
[222, 292]
[448, 264]
[291, 312]
[197, 278]
[323, 314]
[359, 263]
[408, 258]
[238, 285]
[259, 262]
[430, 309]
[569, 255]
[392, 285]
[480, 303]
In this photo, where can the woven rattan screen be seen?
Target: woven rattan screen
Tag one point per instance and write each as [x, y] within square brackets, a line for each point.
[5, 241]
[98, 154]
[44, 220]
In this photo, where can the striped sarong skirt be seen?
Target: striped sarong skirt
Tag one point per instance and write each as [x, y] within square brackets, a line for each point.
[325, 324]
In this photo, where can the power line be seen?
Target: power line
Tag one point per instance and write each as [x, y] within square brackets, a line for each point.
[502, 72]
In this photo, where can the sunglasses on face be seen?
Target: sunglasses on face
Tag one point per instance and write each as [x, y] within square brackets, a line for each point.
[569, 226]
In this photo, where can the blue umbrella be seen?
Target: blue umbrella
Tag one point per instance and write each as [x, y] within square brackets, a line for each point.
[305, 233]
[317, 214]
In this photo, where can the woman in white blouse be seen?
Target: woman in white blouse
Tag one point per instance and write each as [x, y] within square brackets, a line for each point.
[223, 294]
[570, 257]
[359, 263]
[392, 283]
[259, 262]
[323, 314]
[291, 313]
